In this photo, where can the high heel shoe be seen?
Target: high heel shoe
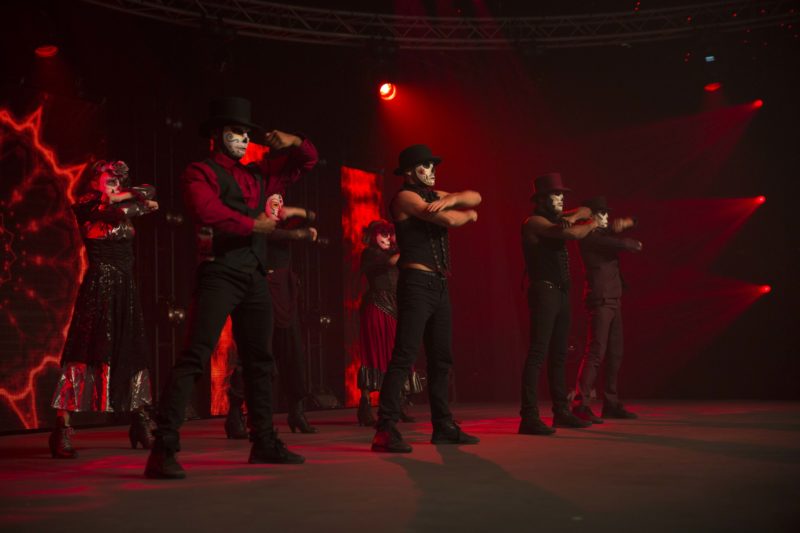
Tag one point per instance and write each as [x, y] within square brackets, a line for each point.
[60, 444]
[140, 431]
[235, 426]
[365, 417]
[297, 420]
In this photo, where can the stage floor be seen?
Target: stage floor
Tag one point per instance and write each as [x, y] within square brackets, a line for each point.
[684, 466]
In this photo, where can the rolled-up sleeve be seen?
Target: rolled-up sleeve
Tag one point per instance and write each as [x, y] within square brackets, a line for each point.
[283, 171]
[201, 192]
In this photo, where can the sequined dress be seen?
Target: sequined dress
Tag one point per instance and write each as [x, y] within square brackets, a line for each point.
[105, 357]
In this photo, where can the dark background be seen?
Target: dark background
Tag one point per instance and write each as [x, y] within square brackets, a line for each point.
[633, 123]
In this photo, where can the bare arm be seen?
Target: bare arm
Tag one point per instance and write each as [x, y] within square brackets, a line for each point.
[537, 226]
[579, 213]
[297, 234]
[408, 204]
[456, 200]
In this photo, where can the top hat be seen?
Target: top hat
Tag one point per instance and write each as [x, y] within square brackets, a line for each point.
[548, 183]
[413, 156]
[597, 204]
[228, 111]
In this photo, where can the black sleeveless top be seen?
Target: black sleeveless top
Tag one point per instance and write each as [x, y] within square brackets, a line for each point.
[548, 260]
[241, 252]
[423, 242]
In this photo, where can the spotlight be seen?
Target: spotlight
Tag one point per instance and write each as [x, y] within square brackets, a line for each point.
[761, 199]
[388, 91]
[46, 50]
[764, 289]
[714, 86]
[758, 103]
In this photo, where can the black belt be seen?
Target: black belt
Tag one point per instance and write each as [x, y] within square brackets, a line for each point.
[551, 285]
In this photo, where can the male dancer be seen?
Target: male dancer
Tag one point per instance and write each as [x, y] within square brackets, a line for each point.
[422, 216]
[603, 293]
[544, 236]
[228, 201]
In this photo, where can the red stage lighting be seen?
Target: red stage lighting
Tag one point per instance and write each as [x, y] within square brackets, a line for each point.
[758, 103]
[711, 87]
[46, 50]
[764, 289]
[388, 91]
[761, 199]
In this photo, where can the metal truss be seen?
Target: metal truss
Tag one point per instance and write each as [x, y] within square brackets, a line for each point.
[271, 20]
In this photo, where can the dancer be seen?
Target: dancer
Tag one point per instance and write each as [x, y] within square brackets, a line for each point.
[228, 201]
[422, 217]
[378, 315]
[293, 224]
[544, 236]
[105, 357]
[603, 294]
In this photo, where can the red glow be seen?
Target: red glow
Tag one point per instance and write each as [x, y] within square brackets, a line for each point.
[388, 91]
[46, 50]
[764, 289]
[711, 87]
[758, 103]
[761, 199]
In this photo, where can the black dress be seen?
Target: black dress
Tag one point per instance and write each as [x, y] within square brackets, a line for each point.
[104, 362]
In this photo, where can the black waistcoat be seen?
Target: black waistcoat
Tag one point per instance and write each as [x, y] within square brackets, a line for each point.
[548, 260]
[423, 242]
[241, 252]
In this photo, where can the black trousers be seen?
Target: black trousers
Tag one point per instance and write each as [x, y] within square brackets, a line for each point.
[550, 315]
[603, 341]
[222, 291]
[424, 316]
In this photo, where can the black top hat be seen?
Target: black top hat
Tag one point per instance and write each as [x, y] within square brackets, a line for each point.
[548, 183]
[596, 204]
[413, 156]
[228, 111]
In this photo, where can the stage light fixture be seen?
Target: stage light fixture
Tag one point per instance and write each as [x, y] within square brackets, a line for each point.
[46, 50]
[758, 103]
[761, 199]
[764, 289]
[388, 91]
[713, 86]
[710, 59]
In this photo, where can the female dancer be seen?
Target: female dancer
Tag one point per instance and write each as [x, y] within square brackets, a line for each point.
[104, 362]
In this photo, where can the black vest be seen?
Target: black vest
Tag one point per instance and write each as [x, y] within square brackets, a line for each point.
[241, 252]
[423, 242]
[548, 260]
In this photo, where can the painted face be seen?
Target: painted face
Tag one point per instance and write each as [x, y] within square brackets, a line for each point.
[426, 173]
[556, 201]
[274, 206]
[601, 217]
[235, 140]
[107, 184]
[384, 240]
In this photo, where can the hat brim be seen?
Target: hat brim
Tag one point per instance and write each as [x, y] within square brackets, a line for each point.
[436, 160]
[562, 189]
[208, 126]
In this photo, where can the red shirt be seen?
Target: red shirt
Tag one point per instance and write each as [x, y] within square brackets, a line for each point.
[201, 189]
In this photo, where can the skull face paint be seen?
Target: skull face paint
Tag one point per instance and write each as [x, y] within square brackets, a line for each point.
[556, 202]
[601, 217]
[426, 173]
[274, 206]
[235, 140]
[107, 184]
[384, 240]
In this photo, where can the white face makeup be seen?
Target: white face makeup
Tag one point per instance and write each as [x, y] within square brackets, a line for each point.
[235, 139]
[426, 173]
[556, 201]
[601, 217]
[274, 206]
[384, 241]
[107, 184]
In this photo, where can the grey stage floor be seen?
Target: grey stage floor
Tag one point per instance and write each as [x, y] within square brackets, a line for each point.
[684, 466]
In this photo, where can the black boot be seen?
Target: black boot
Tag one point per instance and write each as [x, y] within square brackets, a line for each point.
[534, 426]
[140, 431]
[617, 410]
[565, 419]
[162, 464]
[235, 426]
[450, 433]
[297, 419]
[387, 439]
[272, 450]
[584, 412]
[60, 445]
[405, 403]
[365, 417]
